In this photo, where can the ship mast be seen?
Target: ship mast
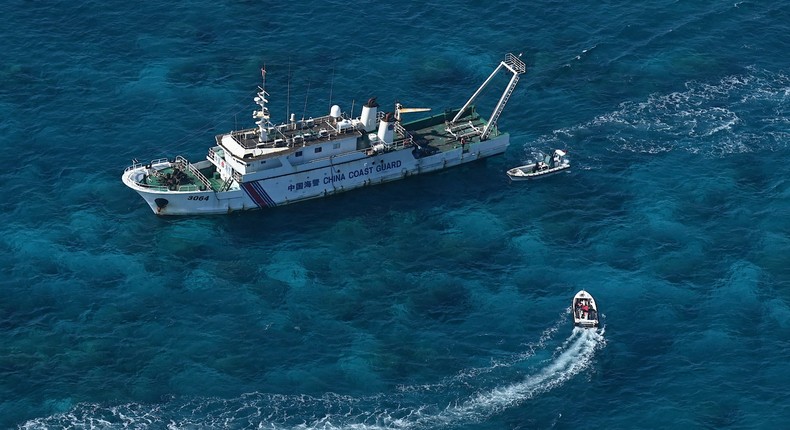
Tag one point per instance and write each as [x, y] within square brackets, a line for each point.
[515, 66]
[262, 115]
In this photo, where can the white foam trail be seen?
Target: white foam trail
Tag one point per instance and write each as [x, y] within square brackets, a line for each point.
[342, 412]
[711, 119]
[573, 356]
[467, 374]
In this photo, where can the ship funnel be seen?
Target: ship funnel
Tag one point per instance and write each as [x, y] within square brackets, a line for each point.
[368, 117]
[386, 128]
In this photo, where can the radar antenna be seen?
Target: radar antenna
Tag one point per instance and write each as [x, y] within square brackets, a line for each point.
[262, 115]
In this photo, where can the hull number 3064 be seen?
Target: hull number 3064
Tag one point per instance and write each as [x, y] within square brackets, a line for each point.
[198, 198]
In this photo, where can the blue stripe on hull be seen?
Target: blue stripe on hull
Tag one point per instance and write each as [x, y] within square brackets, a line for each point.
[258, 194]
[251, 191]
[264, 195]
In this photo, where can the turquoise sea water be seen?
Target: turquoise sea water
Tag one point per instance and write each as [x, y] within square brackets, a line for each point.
[436, 302]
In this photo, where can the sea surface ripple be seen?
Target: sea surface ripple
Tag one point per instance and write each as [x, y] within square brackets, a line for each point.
[440, 301]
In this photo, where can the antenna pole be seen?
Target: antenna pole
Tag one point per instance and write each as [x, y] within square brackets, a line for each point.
[262, 115]
[304, 111]
[288, 96]
[331, 85]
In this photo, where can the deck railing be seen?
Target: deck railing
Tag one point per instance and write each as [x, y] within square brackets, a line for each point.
[138, 165]
[184, 164]
[179, 162]
[515, 63]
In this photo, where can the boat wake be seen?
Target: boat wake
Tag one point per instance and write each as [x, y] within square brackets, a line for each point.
[467, 376]
[546, 364]
[574, 356]
[711, 119]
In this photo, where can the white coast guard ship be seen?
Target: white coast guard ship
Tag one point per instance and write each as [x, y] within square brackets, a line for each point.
[298, 160]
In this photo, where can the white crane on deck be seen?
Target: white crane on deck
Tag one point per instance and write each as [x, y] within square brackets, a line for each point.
[399, 109]
[515, 66]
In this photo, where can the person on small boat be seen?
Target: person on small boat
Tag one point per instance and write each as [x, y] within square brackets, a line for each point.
[539, 166]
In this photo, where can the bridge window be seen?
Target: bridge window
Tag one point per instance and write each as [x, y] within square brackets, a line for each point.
[298, 154]
[317, 150]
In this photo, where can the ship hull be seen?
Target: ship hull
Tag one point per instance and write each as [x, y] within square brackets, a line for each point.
[274, 165]
[310, 184]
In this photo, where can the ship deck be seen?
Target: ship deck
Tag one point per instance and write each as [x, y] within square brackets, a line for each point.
[434, 132]
[289, 137]
[437, 132]
[432, 135]
[177, 179]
